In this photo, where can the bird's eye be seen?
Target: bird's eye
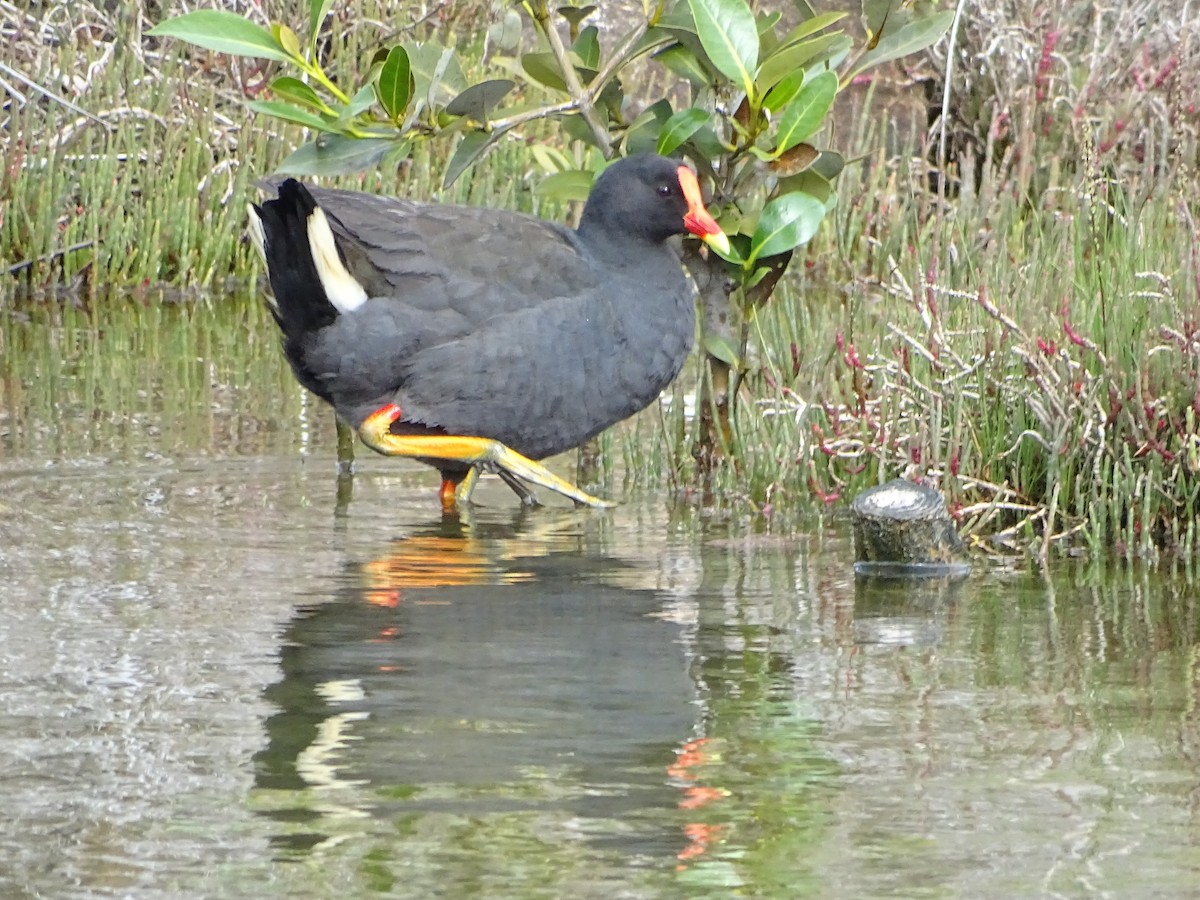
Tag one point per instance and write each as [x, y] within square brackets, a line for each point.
[664, 190]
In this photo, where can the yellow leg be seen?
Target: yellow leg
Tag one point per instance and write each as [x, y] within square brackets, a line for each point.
[481, 454]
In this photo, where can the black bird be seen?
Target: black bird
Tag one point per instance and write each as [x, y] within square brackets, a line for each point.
[477, 339]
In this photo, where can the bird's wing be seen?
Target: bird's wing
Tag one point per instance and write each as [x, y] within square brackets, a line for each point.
[459, 265]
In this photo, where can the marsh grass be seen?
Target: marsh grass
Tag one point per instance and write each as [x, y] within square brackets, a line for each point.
[1034, 353]
[1037, 361]
[147, 186]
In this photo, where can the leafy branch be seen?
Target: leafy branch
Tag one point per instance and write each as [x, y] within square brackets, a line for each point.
[760, 94]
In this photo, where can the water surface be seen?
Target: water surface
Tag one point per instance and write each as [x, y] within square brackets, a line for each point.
[223, 675]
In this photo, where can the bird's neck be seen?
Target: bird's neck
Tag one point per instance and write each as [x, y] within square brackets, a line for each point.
[623, 251]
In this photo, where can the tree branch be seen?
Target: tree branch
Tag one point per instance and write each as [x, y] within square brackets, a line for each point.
[584, 99]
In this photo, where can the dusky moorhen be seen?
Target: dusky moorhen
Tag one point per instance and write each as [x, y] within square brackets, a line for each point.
[477, 339]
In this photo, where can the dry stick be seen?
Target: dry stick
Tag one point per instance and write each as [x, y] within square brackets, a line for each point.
[45, 92]
[25, 264]
[572, 105]
[501, 125]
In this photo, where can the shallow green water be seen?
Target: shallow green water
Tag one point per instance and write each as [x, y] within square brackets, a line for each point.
[221, 677]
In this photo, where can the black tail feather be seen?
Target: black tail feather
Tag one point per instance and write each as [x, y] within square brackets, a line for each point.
[301, 304]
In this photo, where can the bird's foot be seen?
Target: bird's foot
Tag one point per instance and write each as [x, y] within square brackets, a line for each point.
[481, 454]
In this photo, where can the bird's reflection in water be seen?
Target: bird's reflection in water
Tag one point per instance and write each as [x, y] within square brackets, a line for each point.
[479, 671]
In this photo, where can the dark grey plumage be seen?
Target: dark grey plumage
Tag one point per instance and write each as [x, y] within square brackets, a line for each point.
[486, 322]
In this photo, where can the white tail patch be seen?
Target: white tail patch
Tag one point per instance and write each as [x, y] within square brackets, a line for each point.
[257, 238]
[342, 288]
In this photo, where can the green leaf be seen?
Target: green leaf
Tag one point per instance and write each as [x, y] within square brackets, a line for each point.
[576, 14]
[779, 66]
[469, 149]
[721, 347]
[677, 18]
[480, 99]
[505, 35]
[551, 159]
[395, 84]
[786, 222]
[317, 10]
[224, 32]
[587, 47]
[875, 15]
[543, 68]
[807, 182]
[681, 61]
[437, 75]
[577, 129]
[287, 40]
[707, 144]
[651, 40]
[767, 41]
[642, 134]
[679, 128]
[729, 35]
[784, 92]
[573, 185]
[914, 36]
[737, 245]
[363, 100]
[289, 113]
[298, 93]
[804, 115]
[811, 26]
[336, 154]
[829, 164]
